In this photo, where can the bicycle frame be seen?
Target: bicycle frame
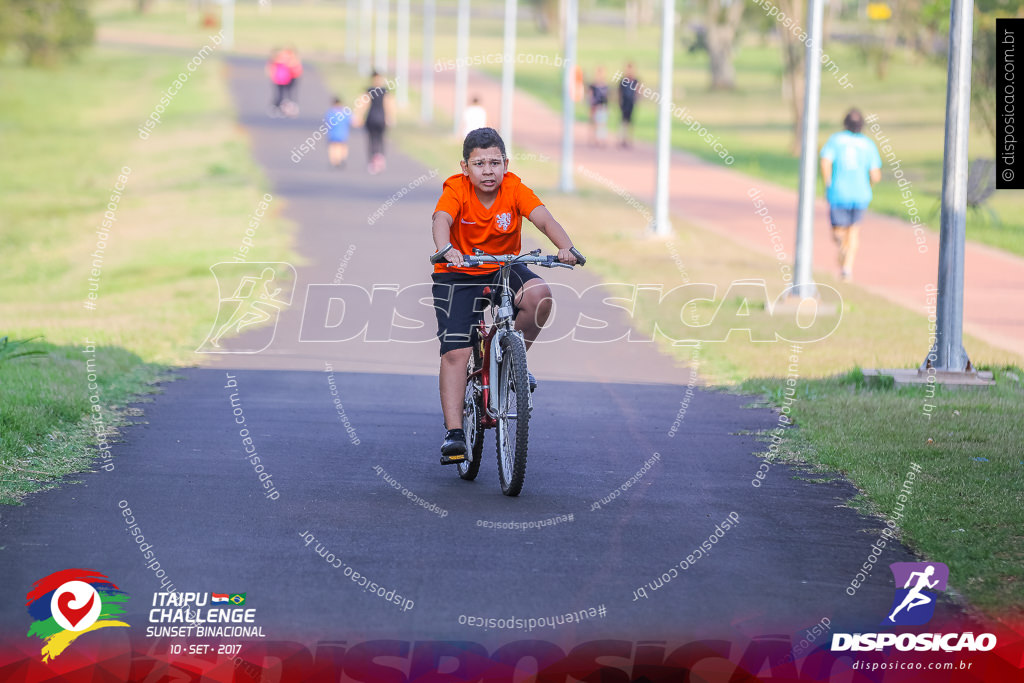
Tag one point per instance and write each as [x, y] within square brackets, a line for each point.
[489, 349]
[503, 314]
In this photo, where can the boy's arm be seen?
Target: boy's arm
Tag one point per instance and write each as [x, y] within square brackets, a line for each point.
[547, 224]
[441, 228]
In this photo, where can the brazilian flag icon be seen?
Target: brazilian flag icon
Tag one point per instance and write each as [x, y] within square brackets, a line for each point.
[237, 598]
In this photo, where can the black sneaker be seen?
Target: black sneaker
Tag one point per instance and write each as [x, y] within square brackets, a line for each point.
[453, 448]
[532, 380]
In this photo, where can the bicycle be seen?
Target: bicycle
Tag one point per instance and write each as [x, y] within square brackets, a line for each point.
[500, 352]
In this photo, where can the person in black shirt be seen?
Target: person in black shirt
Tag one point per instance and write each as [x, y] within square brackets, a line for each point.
[628, 87]
[599, 108]
[379, 115]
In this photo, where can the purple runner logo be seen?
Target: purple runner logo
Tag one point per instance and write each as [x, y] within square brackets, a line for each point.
[917, 585]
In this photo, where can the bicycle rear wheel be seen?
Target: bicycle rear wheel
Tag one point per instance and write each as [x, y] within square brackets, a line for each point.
[513, 414]
[472, 413]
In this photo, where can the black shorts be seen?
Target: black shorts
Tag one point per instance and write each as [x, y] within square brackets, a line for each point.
[460, 302]
[626, 108]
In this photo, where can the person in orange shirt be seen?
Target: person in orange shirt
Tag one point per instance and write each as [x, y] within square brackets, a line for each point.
[483, 207]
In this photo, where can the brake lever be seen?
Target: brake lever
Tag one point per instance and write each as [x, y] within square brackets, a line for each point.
[553, 262]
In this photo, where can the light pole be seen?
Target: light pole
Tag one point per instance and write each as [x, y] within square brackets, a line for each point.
[948, 353]
[351, 30]
[508, 74]
[402, 54]
[565, 181]
[227, 22]
[381, 43]
[365, 27]
[427, 69]
[461, 72]
[662, 225]
[803, 277]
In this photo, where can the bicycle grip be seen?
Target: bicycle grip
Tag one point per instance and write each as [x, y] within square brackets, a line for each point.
[580, 259]
[439, 256]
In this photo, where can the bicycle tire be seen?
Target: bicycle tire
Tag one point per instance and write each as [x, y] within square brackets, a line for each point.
[472, 412]
[513, 393]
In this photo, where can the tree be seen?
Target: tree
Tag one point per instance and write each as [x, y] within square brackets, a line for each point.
[545, 14]
[722, 19]
[934, 18]
[793, 47]
[46, 30]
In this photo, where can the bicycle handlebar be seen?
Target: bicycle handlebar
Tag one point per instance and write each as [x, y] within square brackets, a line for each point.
[439, 256]
[533, 258]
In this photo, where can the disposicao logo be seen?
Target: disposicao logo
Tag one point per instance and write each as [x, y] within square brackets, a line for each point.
[69, 603]
[917, 585]
[914, 603]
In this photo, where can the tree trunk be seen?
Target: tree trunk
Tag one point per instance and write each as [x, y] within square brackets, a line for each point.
[793, 65]
[723, 73]
[545, 14]
[722, 24]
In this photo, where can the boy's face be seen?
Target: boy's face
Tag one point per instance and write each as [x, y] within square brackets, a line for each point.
[485, 169]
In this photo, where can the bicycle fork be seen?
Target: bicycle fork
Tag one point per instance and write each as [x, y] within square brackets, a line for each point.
[493, 410]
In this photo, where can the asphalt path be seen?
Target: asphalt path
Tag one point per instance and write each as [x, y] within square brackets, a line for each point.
[349, 434]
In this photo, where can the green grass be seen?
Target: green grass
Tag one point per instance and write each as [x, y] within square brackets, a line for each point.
[909, 104]
[185, 206]
[753, 122]
[195, 185]
[868, 434]
[48, 426]
[966, 504]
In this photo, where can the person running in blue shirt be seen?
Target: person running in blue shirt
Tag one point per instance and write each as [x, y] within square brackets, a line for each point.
[850, 165]
[338, 120]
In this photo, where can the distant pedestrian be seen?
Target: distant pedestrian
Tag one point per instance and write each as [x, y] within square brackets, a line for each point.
[279, 72]
[474, 117]
[628, 86]
[850, 165]
[338, 119]
[599, 108]
[294, 63]
[379, 115]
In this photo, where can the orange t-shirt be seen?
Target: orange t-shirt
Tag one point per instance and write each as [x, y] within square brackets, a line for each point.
[496, 230]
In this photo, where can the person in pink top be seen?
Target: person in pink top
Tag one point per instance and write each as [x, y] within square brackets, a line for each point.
[279, 72]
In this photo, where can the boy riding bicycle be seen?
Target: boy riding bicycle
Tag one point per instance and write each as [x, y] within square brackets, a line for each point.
[482, 208]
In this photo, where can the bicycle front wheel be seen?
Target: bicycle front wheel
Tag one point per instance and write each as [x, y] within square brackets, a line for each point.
[472, 412]
[513, 414]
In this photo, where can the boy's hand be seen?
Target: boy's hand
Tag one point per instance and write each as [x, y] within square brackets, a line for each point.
[454, 256]
[566, 256]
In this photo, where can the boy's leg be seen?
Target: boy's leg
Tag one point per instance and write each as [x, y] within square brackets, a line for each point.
[452, 382]
[455, 305]
[533, 299]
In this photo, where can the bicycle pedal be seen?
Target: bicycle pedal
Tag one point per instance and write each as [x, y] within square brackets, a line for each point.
[452, 459]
